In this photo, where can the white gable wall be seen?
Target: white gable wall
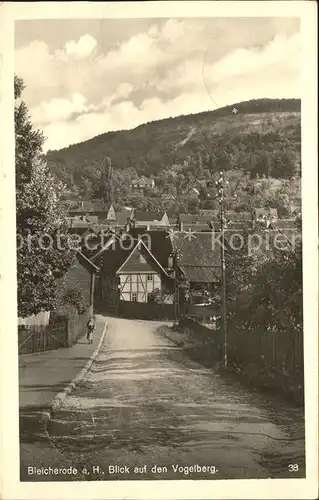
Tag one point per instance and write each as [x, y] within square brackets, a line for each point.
[138, 286]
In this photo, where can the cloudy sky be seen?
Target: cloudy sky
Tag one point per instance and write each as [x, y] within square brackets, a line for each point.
[85, 78]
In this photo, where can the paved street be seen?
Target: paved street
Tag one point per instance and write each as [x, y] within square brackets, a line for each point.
[145, 403]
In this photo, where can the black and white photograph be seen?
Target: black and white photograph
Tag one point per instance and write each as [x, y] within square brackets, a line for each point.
[160, 275]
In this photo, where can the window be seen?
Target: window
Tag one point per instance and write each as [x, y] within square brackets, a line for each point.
[150, 277]
[134, 297]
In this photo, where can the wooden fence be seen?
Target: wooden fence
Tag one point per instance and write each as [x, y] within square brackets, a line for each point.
[281, 351]
[77, 326]
[268, 359]
[38, 338]
[62, 331]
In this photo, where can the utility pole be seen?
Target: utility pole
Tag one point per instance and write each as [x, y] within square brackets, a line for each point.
[173, 263]
[220, 196]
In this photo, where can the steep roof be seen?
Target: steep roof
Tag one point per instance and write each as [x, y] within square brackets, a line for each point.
[148, 216]
[111, 216]
[265, 212]
[123, 216]
[199, 259]
[213, 213]
[158, 242]
[112, 255]
[203, 221]
[86, 262]
[143, 180]
[141, 260]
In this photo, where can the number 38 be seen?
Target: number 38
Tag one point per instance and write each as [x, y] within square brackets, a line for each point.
[293, 467]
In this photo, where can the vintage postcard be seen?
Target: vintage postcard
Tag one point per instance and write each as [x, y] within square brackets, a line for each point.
[159, 266]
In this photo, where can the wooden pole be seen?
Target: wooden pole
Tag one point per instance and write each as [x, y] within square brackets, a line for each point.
[223, 269]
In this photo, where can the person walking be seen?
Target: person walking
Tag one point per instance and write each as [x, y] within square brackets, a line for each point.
[90, 330]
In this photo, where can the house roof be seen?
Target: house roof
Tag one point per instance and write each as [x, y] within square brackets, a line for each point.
[188, 218]
[111, 256]
[135, 262]
[86, 262]
[111, 216]
[265, 212]
[209, 212]
[69, 204]
[191, 219]
[123, 217]
[148, 216]
[158, 241]
[118, 247]
[284, 224]
[198, 260]
[238, 216]
[141, 260]
[199, 274]
[168, 196]
[143, 180]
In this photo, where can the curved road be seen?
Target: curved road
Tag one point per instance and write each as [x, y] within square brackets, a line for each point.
[145, 404]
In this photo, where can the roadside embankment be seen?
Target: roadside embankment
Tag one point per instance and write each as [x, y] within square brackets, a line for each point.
[253, 357]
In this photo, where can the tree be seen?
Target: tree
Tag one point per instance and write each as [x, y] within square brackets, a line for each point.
[261, 165]
[265, 287]
[104, 189]
[28, 142]
[42, 256]
[283, 166]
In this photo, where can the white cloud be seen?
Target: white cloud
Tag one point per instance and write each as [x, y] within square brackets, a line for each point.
[123, 90]
[193, 65]
[280, 51]
[59, 109]
[82, 48]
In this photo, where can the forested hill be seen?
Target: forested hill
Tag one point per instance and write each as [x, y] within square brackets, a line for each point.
[261, 136]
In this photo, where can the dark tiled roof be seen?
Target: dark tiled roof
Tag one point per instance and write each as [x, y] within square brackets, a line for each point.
[197, 227]
[284, 224]
[202, 274]
[203, 221]
[265, 212]
[143, 216]
[238, 216]
[213, 213]
[198, 258]
[112, 258]
[158, 242]
[142, 180]
[188, 218]
[122, 217]
[137, 262]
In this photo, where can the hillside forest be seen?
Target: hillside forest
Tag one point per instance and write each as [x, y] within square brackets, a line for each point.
[257, 143]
